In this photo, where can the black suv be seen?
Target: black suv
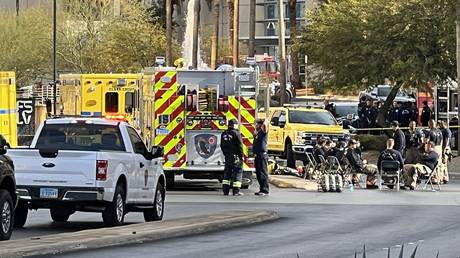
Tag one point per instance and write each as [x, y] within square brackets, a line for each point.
[7, 192]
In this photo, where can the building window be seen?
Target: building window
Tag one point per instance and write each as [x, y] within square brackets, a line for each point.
[271, 11]
[270, 28]
[300, 9]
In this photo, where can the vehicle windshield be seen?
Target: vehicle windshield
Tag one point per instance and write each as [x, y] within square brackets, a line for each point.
[346, 110]
[385, 91]
[82, 137]
[308, 117]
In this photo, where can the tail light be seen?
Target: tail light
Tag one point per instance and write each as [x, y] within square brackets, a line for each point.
[101, 170]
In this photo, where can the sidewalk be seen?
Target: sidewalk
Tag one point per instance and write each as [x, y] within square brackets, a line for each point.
[130, 234]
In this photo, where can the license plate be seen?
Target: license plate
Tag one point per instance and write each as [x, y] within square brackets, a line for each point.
[49, 193]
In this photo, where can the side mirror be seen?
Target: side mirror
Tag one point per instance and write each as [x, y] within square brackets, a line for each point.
[281, 124]
[275, 121]
[156, 152]
[3, 145]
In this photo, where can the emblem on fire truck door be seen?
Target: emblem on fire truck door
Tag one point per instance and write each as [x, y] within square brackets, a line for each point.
[205, 145]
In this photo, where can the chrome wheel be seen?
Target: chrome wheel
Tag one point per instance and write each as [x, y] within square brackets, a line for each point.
[120, 208]
[159, 202]
[6, 217]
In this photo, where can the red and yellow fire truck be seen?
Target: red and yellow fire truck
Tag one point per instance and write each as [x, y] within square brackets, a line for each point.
[191, 109]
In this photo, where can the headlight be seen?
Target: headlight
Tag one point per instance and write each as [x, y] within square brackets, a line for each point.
[299, 138]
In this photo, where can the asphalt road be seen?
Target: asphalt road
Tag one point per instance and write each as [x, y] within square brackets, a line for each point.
[311, 224]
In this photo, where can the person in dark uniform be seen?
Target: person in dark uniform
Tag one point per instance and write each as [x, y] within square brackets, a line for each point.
[405, 116]
[398, 136]
[330, 107]
[414, 112]
[360, 166]
[426, 114]
[395, 113]
[232, 147]
[318, 150]
[427, 162]
[261, 156]
[413, 143]
[390, 154]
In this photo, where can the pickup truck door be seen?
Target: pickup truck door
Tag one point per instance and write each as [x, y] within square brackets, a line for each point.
[145, 176]
[273, 134]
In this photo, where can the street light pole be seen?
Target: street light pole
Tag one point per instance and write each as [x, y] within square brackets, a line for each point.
[282, 49]
[54, 59]
[458, 68]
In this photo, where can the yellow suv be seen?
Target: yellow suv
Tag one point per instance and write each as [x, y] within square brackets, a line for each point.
[295, 128]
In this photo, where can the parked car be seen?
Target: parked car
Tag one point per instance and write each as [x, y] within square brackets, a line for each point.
[343, 110]
[381, 92]
[7, 192]
[91, 165]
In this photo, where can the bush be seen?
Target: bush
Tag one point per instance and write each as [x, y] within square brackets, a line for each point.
[372, 142]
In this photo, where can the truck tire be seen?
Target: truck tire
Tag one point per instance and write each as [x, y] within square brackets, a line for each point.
[6, 215]
[156, 213]
[20, 214]
[60, 215]
[289, 155]
[114, 213]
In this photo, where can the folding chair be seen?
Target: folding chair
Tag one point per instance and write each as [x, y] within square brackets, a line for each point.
[390, 174]
[431, 175]
[315, 166]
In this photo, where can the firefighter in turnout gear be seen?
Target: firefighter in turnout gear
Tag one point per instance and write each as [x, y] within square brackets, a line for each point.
[232, 147]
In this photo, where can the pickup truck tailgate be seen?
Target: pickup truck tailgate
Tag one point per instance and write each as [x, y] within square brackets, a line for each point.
[68, 168]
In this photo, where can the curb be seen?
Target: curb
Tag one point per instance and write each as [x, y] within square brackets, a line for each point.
[130, 234]
[293, 182]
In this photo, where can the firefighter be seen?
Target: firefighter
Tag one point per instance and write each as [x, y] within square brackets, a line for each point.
[232, 147]
[261, 156]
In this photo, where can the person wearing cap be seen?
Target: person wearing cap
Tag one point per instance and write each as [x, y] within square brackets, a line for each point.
[261, 156]
[232, 148]
[360, 166]
[398, 137]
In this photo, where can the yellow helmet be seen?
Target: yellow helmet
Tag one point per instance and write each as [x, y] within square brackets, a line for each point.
[179, 63]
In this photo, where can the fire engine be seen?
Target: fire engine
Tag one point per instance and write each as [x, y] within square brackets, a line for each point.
[191, 109]
[8, 125]
[184, 111]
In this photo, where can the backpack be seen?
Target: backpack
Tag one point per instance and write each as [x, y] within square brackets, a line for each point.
[386, 155]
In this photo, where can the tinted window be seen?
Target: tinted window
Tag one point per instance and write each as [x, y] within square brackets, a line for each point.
[275, 118]
[111, 102]
[136, 141]
[129, 102]
[85, 137]
[307, 117]
[345, 110]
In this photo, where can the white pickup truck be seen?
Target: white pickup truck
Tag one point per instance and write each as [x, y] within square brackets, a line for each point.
[89, 164]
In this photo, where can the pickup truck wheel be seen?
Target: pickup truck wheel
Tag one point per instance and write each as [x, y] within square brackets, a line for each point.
[6, 215]
[60, 215]
[156, 213]
[114, 213]
[20, 214]
[290, 155]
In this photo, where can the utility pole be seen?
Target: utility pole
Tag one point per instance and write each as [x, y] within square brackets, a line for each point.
[169, 61]
[458, 66]
[282, 50]
[17, 7]
[196, 30]
[236, 32]
[54, 58]
[252, 28]
[215, 34]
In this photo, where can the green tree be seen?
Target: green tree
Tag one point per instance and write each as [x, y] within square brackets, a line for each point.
[359, 43]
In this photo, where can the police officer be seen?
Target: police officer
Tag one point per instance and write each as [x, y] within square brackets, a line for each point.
[398, 136]
[426, 114]
[261, 156]
[232, 147]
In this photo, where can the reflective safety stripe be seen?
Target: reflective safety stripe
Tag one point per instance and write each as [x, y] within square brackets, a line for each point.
[237, 184]
[226, 182]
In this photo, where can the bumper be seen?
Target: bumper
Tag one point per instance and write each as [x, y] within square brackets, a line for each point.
[300, 151]
[65, 194]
